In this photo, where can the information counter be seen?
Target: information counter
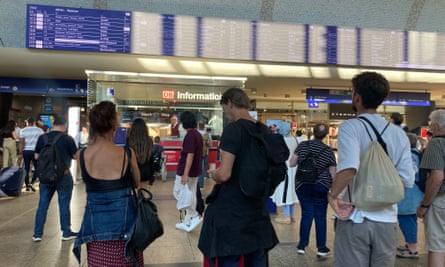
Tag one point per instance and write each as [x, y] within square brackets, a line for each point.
[172, 151]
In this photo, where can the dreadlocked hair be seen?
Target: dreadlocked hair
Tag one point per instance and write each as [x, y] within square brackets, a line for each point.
[139, 140]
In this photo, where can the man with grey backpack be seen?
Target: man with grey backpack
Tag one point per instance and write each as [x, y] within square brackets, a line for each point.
[366, 235]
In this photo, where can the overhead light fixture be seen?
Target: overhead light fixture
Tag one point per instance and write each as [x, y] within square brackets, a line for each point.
[284, 71]
[197, 77]
[426, 77]
[118, 73]
[193, 67]
[347, 73]
[320, 72]
[390, 75]
[222, 68]
[157, 65]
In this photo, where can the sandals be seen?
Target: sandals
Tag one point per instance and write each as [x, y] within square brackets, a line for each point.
[408, 254]
[403, 248]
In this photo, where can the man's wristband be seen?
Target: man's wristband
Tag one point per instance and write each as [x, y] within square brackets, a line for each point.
[331, 195]
[425, 206]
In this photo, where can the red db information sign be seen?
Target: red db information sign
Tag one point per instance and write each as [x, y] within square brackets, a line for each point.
[168, 94]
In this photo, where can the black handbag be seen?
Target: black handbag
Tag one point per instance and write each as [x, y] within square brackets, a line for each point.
[148, 225]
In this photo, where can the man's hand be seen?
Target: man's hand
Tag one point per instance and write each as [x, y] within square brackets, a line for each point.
[184, 179]
[342, 208]
[421, 211]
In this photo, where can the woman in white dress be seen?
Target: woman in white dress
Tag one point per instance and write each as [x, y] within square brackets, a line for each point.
[284, 195]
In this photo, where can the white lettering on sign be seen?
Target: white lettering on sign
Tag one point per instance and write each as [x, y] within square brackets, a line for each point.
[198, 96]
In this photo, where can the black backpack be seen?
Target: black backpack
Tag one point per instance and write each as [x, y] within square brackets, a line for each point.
[262, 161]
[307, 171]
[50, 163]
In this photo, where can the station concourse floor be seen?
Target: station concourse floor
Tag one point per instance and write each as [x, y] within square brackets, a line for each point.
[174, 249]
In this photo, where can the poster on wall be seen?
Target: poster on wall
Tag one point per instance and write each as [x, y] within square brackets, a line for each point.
[48, 104]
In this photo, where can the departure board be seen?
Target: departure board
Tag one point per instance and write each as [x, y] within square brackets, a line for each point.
[426, 50]
[347, 46]
[280, 42]
[225, 38]
[146, 33]
[186, 36]
[382, 48]
[317, 44]
[78, 29]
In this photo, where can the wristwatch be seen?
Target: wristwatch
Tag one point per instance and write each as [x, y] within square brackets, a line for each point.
[425, 206]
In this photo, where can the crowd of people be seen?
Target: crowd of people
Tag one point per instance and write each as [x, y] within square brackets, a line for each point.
[237, 229]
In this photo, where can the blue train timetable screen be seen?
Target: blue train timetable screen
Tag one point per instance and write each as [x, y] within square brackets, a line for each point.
[79, 29]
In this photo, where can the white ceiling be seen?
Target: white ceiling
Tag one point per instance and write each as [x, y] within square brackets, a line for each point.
[274, 80]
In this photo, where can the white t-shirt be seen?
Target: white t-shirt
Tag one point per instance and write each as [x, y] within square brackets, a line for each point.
[352, 142]
[31, 135]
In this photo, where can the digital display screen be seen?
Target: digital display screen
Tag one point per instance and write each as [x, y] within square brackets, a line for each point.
[345, 96]
[43, 86]
[280, 42]
[120, 136]
[78, 29]
[382, 48]
[224, 38]
[347, 47]
[424, 48]
[47, 119]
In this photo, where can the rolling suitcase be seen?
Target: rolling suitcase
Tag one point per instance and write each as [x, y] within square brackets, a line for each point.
[12, 180]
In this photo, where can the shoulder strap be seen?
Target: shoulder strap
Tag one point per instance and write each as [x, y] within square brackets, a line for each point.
[83, 167]
[127, 153]
[57, 138]
[251, 132]
[82, 158]
[377, 134]
[321, 151]
[243, 124]
[45, 139]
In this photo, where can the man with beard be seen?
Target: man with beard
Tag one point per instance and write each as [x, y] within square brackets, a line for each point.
[363, 237]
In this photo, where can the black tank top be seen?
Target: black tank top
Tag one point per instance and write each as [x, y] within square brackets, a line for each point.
[99, 185]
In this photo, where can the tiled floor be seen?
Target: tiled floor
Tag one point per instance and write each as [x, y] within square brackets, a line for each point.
[174, 248]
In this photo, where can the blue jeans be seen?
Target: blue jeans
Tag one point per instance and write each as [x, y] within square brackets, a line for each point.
[205, 161]
[314, 205]
[408, 226]
[64, 189]
[289, 210]
[28, 156]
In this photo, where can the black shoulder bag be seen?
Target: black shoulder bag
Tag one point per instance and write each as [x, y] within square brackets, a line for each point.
[148, 226]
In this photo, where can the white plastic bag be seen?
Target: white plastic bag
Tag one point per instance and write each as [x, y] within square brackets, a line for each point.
[185, 198]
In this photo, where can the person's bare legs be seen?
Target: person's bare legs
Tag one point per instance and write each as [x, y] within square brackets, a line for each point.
[436, 259]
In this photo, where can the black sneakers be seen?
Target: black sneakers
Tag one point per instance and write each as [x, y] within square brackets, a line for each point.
[323, 252]
[70, 236]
